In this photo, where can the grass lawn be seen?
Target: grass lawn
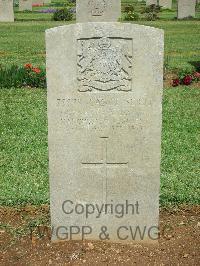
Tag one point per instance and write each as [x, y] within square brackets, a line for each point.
[23, 41]
[23, 146]
[24, 157]
[23, 124]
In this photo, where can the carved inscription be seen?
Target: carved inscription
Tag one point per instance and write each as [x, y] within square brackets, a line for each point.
[104, 64]
[89, 120]
[97, 7]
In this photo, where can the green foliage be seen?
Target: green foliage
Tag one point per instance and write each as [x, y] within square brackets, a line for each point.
[131, 16]
[151, 16]
[64, 14]
[129, 8]
[185, 72]
[22, 77]
[152, 12]
[16, 3]
[130, 13]
[152, 8]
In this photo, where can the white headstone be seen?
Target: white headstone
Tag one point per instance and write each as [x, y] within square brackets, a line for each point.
[104, 122]
[38, 2]
[165, 3]
[151, 2]
[25, 5]
[6, 11]
[186, 8]
[98, 10]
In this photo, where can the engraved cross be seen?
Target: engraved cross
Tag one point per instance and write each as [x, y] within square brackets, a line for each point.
[105, 165]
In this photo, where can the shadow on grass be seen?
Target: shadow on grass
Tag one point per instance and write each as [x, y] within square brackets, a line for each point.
[196, 64]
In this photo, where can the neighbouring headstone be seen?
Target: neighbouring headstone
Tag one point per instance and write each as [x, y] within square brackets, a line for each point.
[98, 10]
[151, 2]
[166, 3]
[25, 5]
[6, 11]
[104, 121]
[186, 8]
[38, 2]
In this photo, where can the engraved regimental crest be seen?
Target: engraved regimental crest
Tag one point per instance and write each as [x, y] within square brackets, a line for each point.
[97, 7]
[104, 64]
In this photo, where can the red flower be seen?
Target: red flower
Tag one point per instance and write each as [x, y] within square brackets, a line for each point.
[187, 80]
[28, 66]
[175, 82]
[36, 70]
[37, 5]
[197, 75]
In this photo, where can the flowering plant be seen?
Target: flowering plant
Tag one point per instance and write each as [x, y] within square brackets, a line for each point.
[35, 77]
[26, 76]
[175, 82]
[65, 14]
[37, 5]
[186, 78]
[131, 16]
[197, 76]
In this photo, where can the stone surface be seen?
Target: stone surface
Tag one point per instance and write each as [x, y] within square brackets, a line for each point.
[6, 11]
[166, 3]
[25, 5]
[151, 2]
[186, 8]
[104, 125]
[98, 10]
[38, 2]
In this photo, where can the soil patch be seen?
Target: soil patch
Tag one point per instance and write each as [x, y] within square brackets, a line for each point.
[21, 244]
